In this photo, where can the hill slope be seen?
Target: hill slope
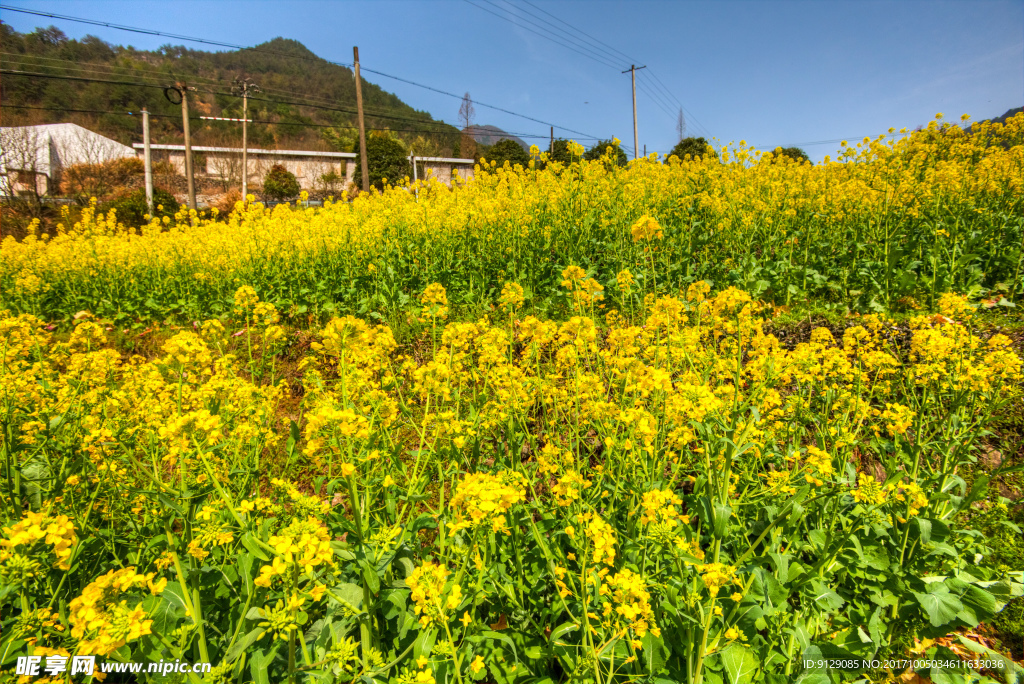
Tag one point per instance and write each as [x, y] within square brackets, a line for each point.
[488, 135]
[291, 77]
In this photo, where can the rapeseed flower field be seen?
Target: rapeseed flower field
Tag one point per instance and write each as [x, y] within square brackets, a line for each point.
[536, 428]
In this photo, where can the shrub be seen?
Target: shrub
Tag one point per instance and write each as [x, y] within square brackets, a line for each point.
[85, 181]
[386, 158]
[331, 184]
[508, 151]
[560, 152]
[131, 208]
[794, 153]
[601, 149]
[280, 184]
[697, 148]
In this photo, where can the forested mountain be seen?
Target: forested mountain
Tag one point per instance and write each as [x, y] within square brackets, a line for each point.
[291, 77]
[488, 135]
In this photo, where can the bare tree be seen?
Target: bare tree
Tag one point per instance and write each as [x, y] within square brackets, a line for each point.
[466, 114]
[224, 167]
[25, 163]
[90, 165]
[467, 111]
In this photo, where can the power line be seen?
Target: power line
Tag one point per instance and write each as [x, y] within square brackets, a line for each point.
[598, 58]
[656, 91]
[258, 121]
[151, 32]
[90, 67]
[276, 52]
[567, 24]
[660, 86]
[14, 72]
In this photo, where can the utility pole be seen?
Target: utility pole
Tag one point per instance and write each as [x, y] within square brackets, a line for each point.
[183, 89]
[244, 87]
[362, 126]
[149, 161]
[551, 148]
[636, 137]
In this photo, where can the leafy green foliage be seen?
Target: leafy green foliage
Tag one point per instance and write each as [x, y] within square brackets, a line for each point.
[387, 160]
[280, 184]
[794, 153]
[508, 151]
[697, 148]
[132, 210]
[279, 64]
[600, 149]
[560, 152]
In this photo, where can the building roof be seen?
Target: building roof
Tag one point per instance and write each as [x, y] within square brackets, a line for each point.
[251, 150]
[290, 153]
[49, 147]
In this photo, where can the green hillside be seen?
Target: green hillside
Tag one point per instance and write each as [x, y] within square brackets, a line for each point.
[292, 79]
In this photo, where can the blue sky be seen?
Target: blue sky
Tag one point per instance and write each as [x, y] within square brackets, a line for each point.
[768, 72]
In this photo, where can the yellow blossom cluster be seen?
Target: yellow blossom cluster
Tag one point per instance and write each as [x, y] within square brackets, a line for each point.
[434, 601]
[482, 499]
[58, 532]
[100, 621]
[627, 603]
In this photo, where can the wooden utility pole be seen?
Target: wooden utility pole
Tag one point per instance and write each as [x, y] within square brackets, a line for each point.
[244, 87]
[183, 90]
[362, 127]
[551, 147]
[636, 137]
[148, 160]
[245, 144]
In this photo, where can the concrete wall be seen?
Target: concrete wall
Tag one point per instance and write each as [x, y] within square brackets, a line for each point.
[307, 170]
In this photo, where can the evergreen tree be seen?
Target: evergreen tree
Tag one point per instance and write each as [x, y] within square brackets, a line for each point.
[510, 151]
[386, 160]
[697, 148]
[601, 148]
[280, 184]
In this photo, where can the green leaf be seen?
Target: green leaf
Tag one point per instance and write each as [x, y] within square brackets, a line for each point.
[1008, 667]
[246, 563]
[350, 593]
[562, 629]
[740, 663]
[654, 653]
[826, 598]
[371, 577]
[979, 605]
[250, 543]
[941, 607]
[175, 595]
[875, 627]
[244, 643]
[259, 665]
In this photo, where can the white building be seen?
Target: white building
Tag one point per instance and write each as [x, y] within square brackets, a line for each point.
[308, 166]
[32, 157]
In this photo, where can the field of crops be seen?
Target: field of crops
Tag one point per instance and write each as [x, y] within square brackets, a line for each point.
[536, 428]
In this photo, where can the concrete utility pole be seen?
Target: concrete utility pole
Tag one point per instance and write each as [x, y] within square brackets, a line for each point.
[636, 137]
[149, 161]
[244, 87]
[362, 127]
[551, 147]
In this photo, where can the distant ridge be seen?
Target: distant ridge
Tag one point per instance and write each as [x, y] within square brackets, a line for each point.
[488, 135]
[1010, 113]
[291, 76]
